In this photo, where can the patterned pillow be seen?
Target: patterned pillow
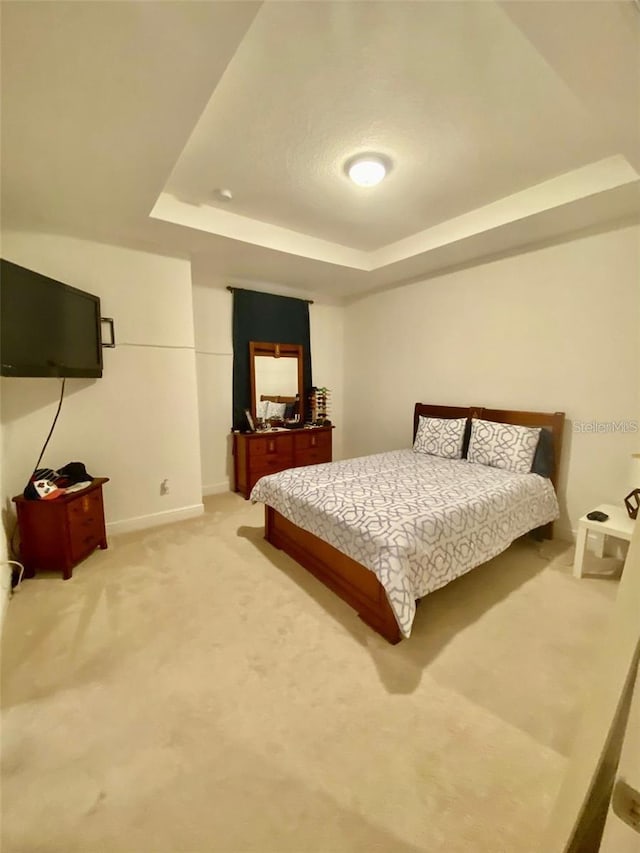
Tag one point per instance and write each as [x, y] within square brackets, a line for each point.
[544, 459]
[503, 445]
[275, 410]
[440, 437]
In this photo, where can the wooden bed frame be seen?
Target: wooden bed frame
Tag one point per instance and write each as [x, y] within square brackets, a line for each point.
[354, 583]
[277, 398]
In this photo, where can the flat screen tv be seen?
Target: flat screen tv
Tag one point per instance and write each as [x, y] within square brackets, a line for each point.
[47, 328]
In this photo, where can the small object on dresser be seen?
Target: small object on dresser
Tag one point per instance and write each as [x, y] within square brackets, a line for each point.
[250, 420]
[42, 486]
[319, 404]
[596, 515]
[46, 484]
[77, 487]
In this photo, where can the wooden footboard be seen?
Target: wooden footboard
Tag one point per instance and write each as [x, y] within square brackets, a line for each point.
[355, 584]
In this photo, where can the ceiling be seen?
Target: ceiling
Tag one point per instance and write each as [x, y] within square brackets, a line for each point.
[508, 125]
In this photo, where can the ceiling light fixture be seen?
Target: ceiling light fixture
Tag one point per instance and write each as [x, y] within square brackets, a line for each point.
[367, 170]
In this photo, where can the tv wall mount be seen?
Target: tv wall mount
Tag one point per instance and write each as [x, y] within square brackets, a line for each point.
[111, 343]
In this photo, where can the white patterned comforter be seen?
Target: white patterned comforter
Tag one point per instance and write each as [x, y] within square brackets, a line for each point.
[416, 521]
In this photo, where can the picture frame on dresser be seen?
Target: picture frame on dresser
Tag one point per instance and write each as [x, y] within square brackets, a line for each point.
[250, 421]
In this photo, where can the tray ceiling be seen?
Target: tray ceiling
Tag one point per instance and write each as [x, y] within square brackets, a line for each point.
[504, 124]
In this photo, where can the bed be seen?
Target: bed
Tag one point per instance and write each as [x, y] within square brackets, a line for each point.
[384, 530]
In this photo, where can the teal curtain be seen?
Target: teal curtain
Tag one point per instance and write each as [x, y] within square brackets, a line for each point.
[274, 319]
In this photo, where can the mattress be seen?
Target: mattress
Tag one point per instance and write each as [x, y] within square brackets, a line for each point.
[416, 521]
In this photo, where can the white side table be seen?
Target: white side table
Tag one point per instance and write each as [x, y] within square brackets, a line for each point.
[618, 525]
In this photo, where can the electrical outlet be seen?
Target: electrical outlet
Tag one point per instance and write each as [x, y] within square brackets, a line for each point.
[164, 487]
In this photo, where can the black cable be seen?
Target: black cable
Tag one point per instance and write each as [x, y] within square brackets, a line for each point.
[53, 426]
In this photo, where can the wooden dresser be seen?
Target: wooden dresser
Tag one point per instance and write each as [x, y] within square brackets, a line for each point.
[258, 453]
[55, 535]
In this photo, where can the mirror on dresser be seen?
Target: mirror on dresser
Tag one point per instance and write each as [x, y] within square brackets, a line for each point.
[277, 381]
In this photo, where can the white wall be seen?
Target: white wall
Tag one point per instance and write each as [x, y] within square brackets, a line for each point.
[328, 363]
[550, 330]
[214, 363]
[212, 306]
[138, 425]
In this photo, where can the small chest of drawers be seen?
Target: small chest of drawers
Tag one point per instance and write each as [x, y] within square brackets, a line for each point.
[257, 454]
[55, 535]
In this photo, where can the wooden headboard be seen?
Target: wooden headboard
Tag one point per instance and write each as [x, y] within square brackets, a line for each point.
[552, 421]
[277, 398]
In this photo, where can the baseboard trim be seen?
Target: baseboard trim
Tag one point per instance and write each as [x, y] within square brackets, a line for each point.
[155, 519]
[216, 488]
[565, 534]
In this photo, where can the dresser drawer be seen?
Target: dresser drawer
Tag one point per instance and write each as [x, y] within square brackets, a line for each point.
[85, 507]
[269, 465]
[86, 524]
[84, 539]
[312, 440]
[312, 447]
[312, 456]
[271, 445]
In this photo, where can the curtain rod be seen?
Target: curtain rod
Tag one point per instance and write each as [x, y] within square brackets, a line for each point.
[231, 289]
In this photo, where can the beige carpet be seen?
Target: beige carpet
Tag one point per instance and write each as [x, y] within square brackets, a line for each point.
[192, 689]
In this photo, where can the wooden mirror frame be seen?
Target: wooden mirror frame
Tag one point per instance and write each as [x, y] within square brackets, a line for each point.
[275, 350]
